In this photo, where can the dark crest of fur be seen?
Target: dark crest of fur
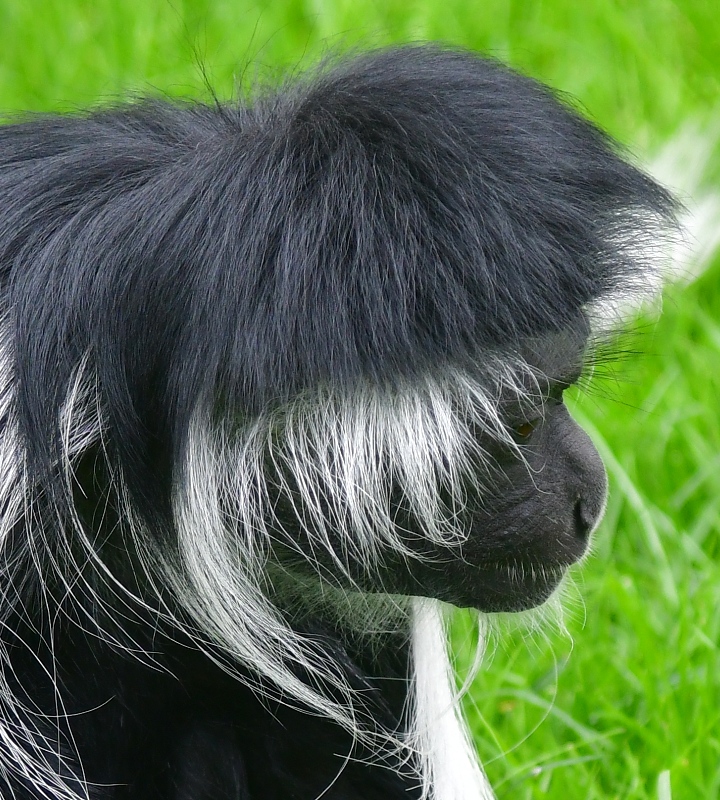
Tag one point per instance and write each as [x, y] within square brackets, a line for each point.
[232, 336]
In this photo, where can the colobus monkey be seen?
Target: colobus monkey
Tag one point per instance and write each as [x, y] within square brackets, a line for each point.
[279, 378]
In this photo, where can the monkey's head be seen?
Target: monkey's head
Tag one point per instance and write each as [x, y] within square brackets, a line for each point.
[431, 245]
[323, 335]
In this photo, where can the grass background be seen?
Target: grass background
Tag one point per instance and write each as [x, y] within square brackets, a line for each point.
[634, 712]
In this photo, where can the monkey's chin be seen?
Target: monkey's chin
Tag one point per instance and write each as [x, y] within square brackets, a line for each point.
[514, 591]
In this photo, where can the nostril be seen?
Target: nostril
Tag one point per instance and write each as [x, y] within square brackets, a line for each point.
[583, 520]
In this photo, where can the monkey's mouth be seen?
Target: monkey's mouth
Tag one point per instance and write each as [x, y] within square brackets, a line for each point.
[509, 586]
[518, 587]
[501, 586]
[518, 581]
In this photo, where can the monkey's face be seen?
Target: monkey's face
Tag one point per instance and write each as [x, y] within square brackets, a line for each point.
[534, 514]
[484, 509]
[527, 528]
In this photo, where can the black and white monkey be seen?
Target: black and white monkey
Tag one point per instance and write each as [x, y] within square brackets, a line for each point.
[279, 378]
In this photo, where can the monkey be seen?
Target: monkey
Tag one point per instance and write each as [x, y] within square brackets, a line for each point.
[282, 378]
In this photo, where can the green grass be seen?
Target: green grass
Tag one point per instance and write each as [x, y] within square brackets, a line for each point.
[640, 692]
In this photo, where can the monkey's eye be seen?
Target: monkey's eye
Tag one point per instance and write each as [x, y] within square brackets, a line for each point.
[524, 429]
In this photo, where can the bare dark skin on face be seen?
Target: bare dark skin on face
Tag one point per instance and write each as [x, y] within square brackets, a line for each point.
[536, 517]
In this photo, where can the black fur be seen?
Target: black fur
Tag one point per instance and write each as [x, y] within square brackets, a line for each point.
[404, 214]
